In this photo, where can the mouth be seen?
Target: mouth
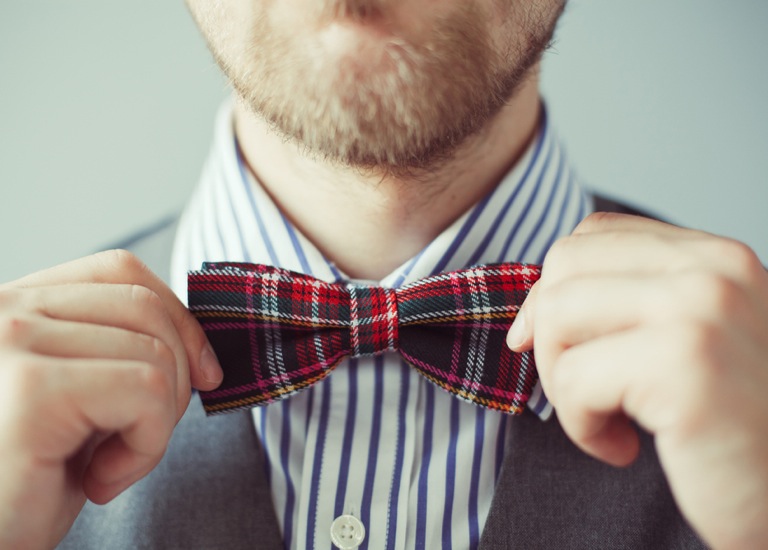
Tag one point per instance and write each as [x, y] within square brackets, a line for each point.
[344, 28]
[357, 23]
[357, 13]
[377, 17]
[352, 11]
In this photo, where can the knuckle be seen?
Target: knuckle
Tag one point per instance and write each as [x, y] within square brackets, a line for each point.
[695, 336]
[162, 352]
[144, 297]
[715, 292]
[740, 257]
[157, 389]
[698, 373]
[8, 297]
[596, 220]
[15, 331]
[700, 350]
[560, 387]
[548, 302]
[190, 328]
[122, 261]
[158, 401]
[158, 385]
[22, 376]
[558, 254]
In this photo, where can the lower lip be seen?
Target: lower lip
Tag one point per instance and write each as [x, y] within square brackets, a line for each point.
[347, 32]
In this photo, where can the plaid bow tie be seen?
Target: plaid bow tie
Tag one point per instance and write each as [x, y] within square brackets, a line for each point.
[277, 332]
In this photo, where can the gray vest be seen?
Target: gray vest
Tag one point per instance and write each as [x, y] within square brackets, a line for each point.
[210, 490]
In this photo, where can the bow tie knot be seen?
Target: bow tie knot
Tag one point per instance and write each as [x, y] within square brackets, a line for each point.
[373, 320]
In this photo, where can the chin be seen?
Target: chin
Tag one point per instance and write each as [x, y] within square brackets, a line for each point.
[379, 89]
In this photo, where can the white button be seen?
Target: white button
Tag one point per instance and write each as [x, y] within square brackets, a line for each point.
[347, 532]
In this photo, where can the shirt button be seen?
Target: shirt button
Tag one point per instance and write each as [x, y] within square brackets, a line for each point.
[347, 532]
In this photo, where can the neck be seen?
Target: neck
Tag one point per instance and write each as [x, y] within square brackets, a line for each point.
[369, 223]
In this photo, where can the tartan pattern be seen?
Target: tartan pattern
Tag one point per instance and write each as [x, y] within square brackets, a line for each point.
[372, 320]
[277, 332]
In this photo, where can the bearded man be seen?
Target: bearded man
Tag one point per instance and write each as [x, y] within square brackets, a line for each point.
[380, 142]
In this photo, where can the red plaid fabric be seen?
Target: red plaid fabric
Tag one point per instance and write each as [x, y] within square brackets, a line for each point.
[277, 332]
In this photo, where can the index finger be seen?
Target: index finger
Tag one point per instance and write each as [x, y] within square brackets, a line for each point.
[122, 267]
[600, 222]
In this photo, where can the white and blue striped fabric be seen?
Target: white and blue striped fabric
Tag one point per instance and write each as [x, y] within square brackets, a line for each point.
[417, 466]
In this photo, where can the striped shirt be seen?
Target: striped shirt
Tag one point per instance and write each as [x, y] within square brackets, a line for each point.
[375, 440]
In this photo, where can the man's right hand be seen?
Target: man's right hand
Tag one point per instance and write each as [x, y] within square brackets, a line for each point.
[97, 357]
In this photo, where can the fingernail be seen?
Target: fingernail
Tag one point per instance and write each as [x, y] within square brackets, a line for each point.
[516, 335]
[209, 365]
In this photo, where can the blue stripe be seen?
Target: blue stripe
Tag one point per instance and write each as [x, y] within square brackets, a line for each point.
[237, 224]
[502, 215]
[501, 438]
[462, 235]
[265, 446]
[246, 255]
[545, 213]
[290, 497]
[563, 209]
[296, 245]
[262, 228]
[201, 239]
[474, 522]
[543, 401]
[346, 445]
[583, 209]
[469, 224]
[450, 475]
[408, 268]
[305, 266]
[422, 501]
[541, 404]
[525, 212]
[335, 272]
[405, 383]
[222, 242]
[317, 462]
[373, 445]
[310, 404]
[561, 221]
[558, 231]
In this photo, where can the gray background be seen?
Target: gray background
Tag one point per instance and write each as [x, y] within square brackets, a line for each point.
[106, 112]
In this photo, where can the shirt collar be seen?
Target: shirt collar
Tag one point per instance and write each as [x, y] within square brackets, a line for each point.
[231, 217]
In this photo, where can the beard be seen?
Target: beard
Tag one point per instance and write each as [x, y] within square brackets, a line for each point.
[390, 103]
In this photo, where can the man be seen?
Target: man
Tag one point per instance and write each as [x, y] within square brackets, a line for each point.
[385, 141]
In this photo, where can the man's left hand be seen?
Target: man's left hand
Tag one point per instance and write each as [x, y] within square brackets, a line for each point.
[634, 319]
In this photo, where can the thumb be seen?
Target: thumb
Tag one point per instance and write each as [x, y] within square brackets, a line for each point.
[520, 335]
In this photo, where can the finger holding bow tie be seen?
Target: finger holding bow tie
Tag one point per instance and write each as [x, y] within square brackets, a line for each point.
[637, 320]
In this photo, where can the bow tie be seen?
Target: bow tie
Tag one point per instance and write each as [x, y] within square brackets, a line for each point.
[277, 332]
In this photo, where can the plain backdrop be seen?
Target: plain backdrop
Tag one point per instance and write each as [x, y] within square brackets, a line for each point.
[106, 111]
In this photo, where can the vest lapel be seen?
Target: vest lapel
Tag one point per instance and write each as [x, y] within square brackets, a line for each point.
[552, 495]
